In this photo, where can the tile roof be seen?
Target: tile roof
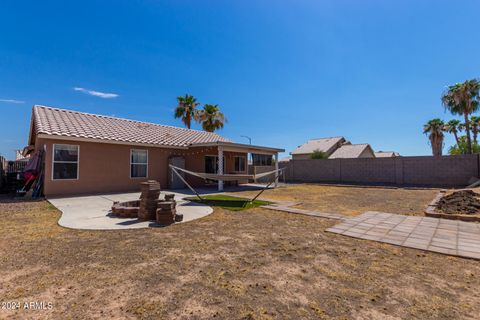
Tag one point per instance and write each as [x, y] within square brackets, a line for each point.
[323, 144]
[68, 123]
[350, 151]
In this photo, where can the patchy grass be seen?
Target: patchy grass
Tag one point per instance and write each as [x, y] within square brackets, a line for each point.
[251, 264]
[351, 200]
[229, 202]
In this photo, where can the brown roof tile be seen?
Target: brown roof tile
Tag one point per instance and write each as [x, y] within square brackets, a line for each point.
[68, 123]
[327, 145]
[350, 151]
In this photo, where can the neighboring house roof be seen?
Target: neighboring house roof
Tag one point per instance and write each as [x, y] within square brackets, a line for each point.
[350, 151]
[74, 124]
[386, 154]
[285, 159]
[324, 144]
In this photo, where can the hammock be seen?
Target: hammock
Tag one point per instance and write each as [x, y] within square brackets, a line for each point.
[225, 177]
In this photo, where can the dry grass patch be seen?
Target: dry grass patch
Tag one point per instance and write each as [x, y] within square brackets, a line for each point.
[252, 264]
[351, 200]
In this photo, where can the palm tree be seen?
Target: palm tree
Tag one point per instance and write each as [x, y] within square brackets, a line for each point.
[186, 109]
[453, 126]
[211, 118]
[434, 129]
[475, 123]
[463, 99]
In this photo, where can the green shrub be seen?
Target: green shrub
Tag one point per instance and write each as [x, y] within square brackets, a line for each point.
[317, 154]
[462, 147]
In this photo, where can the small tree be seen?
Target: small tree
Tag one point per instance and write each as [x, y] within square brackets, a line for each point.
[462, 147]
[317, 154]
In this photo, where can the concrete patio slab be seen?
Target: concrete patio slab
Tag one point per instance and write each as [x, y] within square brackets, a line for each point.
[92, 212]
[452, 237]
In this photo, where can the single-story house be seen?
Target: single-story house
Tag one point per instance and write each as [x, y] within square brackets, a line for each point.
[349, 151]
[386, 154]
[326, 145]
[87, 153]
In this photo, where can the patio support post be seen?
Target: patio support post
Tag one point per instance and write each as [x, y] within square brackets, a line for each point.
[220, 167]
[276, 168]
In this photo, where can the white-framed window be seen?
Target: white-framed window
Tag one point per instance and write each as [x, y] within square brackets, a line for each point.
[138, 163]
[65, 162]
[240, 164]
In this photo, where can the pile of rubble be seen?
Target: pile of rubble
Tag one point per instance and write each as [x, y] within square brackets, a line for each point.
[166, 211]
[150, 191]
[460, 202]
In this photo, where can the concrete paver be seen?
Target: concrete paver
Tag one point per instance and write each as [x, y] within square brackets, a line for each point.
[450, 237]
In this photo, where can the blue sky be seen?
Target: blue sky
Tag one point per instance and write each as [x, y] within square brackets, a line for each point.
[282, 71]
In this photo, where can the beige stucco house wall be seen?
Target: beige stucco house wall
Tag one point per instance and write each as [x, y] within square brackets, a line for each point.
[105, 168]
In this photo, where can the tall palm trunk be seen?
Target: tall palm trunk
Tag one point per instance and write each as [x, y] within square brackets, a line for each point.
[455, 134]
[467, 129]
[436, 143]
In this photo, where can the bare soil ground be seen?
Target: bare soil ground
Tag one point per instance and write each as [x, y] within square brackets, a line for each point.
[352, 200]
[252, 264]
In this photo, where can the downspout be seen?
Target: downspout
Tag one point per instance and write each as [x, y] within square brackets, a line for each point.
[220, 167]
[276, 168]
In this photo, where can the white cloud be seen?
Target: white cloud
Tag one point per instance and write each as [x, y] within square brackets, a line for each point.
[104, 95]
[12, 101]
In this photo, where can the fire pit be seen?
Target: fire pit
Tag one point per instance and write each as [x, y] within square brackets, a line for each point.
[127, 209]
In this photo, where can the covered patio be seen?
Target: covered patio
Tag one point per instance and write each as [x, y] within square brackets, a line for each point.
[248, 149]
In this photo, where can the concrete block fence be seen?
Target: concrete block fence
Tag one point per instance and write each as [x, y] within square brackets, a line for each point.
[261, 169]
[444, 171]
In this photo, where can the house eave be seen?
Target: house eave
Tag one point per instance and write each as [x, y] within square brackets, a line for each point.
[240, 147]
[96, 140]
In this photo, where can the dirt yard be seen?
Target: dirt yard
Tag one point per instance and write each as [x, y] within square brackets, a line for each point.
[352, 200]
[253, 264]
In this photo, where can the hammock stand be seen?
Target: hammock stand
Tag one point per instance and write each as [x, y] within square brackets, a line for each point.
[225, 177]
